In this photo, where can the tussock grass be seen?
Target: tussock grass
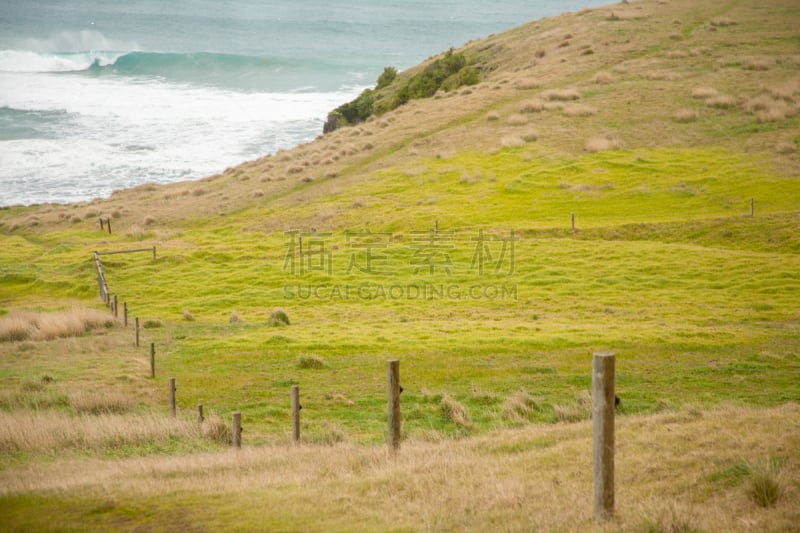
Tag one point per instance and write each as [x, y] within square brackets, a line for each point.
[517, 120]
[217, 430]
[603, 143]
[685, 116]
[703, 93]
[278, 317]
[561, 95]
[512, 141]
[527, 84]
[520, 406]
[579, 110]
[101, 403]
[454, 412]
[603, 78]
[765, 486]
[546, 470]
[723, 101]
[531, 106]
[492, 116]
[757, 63]
[233, 318]
[20, 325]
[581, 409]
[312, 361]
[43, 431]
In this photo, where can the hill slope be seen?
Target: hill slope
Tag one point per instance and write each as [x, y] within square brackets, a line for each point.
[592, 192]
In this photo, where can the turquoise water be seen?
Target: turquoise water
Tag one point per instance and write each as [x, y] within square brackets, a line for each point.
[97, 95]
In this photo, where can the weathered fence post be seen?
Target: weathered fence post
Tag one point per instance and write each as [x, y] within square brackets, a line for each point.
[572, 220]
[116, 312]
[236, 429]
[752, 207]
[101, 224]
[393, 397]
[125, 314]
[200, 416]
[295, 396]
[152, 359]
[172, 388]
[108, 223]
[136, 330]
[603, 434]
[154, 253]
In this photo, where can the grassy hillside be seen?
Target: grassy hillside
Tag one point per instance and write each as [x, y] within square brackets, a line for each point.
[441, 234]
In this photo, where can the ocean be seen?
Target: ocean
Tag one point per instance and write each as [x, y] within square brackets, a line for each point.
[97, 96]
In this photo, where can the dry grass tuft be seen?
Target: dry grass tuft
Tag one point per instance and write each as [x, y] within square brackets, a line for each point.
[766, 485]
[278, 317]
[662, 75]
[101, 403]
[510, 141]
[602, 143]
[454, 412]
[234, 318]
[786, 148]
[517, 120]
[530, 136]
[216, 430]
[188, 316]
[722, 22]
[561, 95]
[603, 78]
[677, 54]
[492, 116]
[767, 108]
[757, 63]
[579, 110]
[703, 93]
[20, 325]
[575, 412]
[36, 431]
[686, 115]
[531, 106]
[312, 361]
[519, 407]
[14, 329]
[527, 84]
[722, 101]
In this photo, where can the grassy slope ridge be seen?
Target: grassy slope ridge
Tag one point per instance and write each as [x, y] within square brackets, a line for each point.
[654, 123]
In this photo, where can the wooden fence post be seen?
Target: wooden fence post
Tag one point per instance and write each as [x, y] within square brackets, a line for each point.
[125, 314]
[116, 312]
[572, 220]
[393, 398]
[136, 330]
[752, 207]
[152, 359]
[200, 416]
[154, 253]
[108, 223]
[236, 429]
[172, 388]
[603, 434]
[295, 396]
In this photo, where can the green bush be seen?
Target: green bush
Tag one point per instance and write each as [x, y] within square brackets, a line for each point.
[359, 109]
[386, 78]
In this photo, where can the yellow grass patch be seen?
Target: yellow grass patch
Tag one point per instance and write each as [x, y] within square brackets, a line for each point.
[22, 325]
